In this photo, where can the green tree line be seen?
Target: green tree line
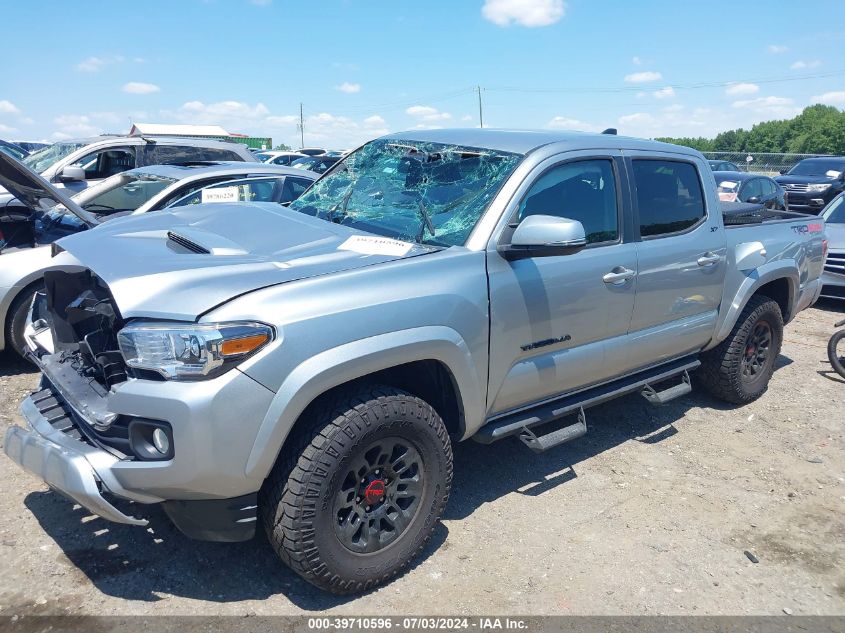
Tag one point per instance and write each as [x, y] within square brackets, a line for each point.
[819, 129]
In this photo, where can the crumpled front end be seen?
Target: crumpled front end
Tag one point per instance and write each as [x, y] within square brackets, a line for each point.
[95, 427]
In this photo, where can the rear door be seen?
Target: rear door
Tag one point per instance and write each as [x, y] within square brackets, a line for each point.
[681, 257]
[551, 317]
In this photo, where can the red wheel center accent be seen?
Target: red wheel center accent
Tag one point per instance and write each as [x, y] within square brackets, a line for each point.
[374, 492]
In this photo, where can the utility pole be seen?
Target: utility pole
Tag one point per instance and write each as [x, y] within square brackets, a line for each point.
[301, 128]
[480, 111]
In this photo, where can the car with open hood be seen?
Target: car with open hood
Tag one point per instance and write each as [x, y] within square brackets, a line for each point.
[42, 214]
[305, 369]
[79, 163]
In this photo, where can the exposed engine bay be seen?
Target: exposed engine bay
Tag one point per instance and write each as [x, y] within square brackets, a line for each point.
[84, 323]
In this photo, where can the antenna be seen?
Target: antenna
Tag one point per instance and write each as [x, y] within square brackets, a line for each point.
[301, 127]
[480, 110]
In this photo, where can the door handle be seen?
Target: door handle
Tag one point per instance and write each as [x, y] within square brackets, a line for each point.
[618, 276]
[709, 259]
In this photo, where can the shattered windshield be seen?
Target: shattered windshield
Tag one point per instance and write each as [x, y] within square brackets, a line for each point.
[44, 158]
[414, 191]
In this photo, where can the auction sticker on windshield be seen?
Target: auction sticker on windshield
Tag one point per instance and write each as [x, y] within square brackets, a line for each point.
[220, 194]
[371, 245]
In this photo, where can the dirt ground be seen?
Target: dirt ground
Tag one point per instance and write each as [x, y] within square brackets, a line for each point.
[650, 513]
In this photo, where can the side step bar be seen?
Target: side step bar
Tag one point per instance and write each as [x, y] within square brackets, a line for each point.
[662, 397]
[555, 438]
[542, 414]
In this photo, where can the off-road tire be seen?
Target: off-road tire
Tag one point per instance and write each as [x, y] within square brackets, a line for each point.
[835, 359]
[721, 367]
[296, 500]
[16, 320]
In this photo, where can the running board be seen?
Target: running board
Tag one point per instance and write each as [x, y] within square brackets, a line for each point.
[662, 397]
[542, 443]
[542, 414]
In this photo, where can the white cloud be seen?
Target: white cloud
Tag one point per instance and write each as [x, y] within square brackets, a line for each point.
[675, 107]
[427, 113]
[466, 118]
[768, 106]
[830, 98]
[739, 90]
[643, 77]
[375, 121]
[7, 107]
[530, 13]
[60, 136]
[636, 61]
[638, 118]
[348, 88]
[665, 93]
[71, 125]
[6, 129]
[800, 65]
[566, 123]
[140, 88]
[777, 48]
[95, 64]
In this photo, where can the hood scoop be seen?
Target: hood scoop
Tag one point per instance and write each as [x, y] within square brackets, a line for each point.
[203, 242]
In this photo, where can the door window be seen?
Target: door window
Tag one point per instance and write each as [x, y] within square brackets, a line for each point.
[752, 189]
[581, 190]
[294, 187]
[106, 162]
[669, 196]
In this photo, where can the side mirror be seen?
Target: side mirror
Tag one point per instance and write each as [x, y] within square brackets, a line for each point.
[72, 174]
[782, 172]
[544, 236]
[753, 200]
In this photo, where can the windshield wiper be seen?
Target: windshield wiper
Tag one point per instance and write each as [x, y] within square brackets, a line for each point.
[426, 222]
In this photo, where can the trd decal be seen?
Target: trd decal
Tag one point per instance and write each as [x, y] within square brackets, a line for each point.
[808, 228]
[546, 342]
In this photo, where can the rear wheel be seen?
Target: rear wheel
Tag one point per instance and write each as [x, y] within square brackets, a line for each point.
[836, 352]
[738, 370]
[360, 489]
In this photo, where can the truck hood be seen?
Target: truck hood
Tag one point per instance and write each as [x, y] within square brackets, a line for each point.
[180, 264]
[804, 180]
[33, 191]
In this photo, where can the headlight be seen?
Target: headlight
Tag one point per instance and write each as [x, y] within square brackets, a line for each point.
[191, 351]
[819, 187]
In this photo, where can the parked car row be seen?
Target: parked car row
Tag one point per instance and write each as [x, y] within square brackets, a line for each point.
[807, 187]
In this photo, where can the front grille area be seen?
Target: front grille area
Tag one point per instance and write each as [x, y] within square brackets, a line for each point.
[796, 186]
[837, 292]
[63, 418]
[835, 263]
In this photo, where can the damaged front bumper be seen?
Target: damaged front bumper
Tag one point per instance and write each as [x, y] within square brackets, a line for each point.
[70, 466]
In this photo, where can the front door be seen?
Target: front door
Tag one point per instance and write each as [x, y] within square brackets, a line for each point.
[552, 316]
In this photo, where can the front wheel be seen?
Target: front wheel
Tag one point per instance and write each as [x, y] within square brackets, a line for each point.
[834, 354]
[738, 370]
[16, 320]
[360, 489]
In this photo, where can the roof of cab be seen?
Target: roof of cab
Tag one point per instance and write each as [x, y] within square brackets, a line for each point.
[179, 172]
[526, 141]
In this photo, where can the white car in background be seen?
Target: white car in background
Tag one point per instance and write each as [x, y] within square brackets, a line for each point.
[278, 157]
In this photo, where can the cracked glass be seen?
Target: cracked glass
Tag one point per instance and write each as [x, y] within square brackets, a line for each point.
[429, 193]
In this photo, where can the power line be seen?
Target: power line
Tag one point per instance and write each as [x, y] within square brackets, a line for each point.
[480, 111]
[714, 84]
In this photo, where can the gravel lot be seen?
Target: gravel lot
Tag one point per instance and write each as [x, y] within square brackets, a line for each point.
[650, 513]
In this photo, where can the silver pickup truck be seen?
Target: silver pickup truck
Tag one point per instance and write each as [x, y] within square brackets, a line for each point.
[309, 367]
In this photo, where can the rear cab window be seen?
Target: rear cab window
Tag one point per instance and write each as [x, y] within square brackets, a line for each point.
[669, 196]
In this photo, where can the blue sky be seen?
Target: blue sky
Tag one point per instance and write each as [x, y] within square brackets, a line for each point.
[361, 69]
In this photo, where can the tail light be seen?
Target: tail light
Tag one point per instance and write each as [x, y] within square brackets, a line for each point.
[824, 250]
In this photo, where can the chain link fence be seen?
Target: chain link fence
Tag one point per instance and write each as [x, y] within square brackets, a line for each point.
[770, 164]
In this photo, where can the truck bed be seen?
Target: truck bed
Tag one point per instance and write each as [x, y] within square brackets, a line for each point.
[741, 214]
